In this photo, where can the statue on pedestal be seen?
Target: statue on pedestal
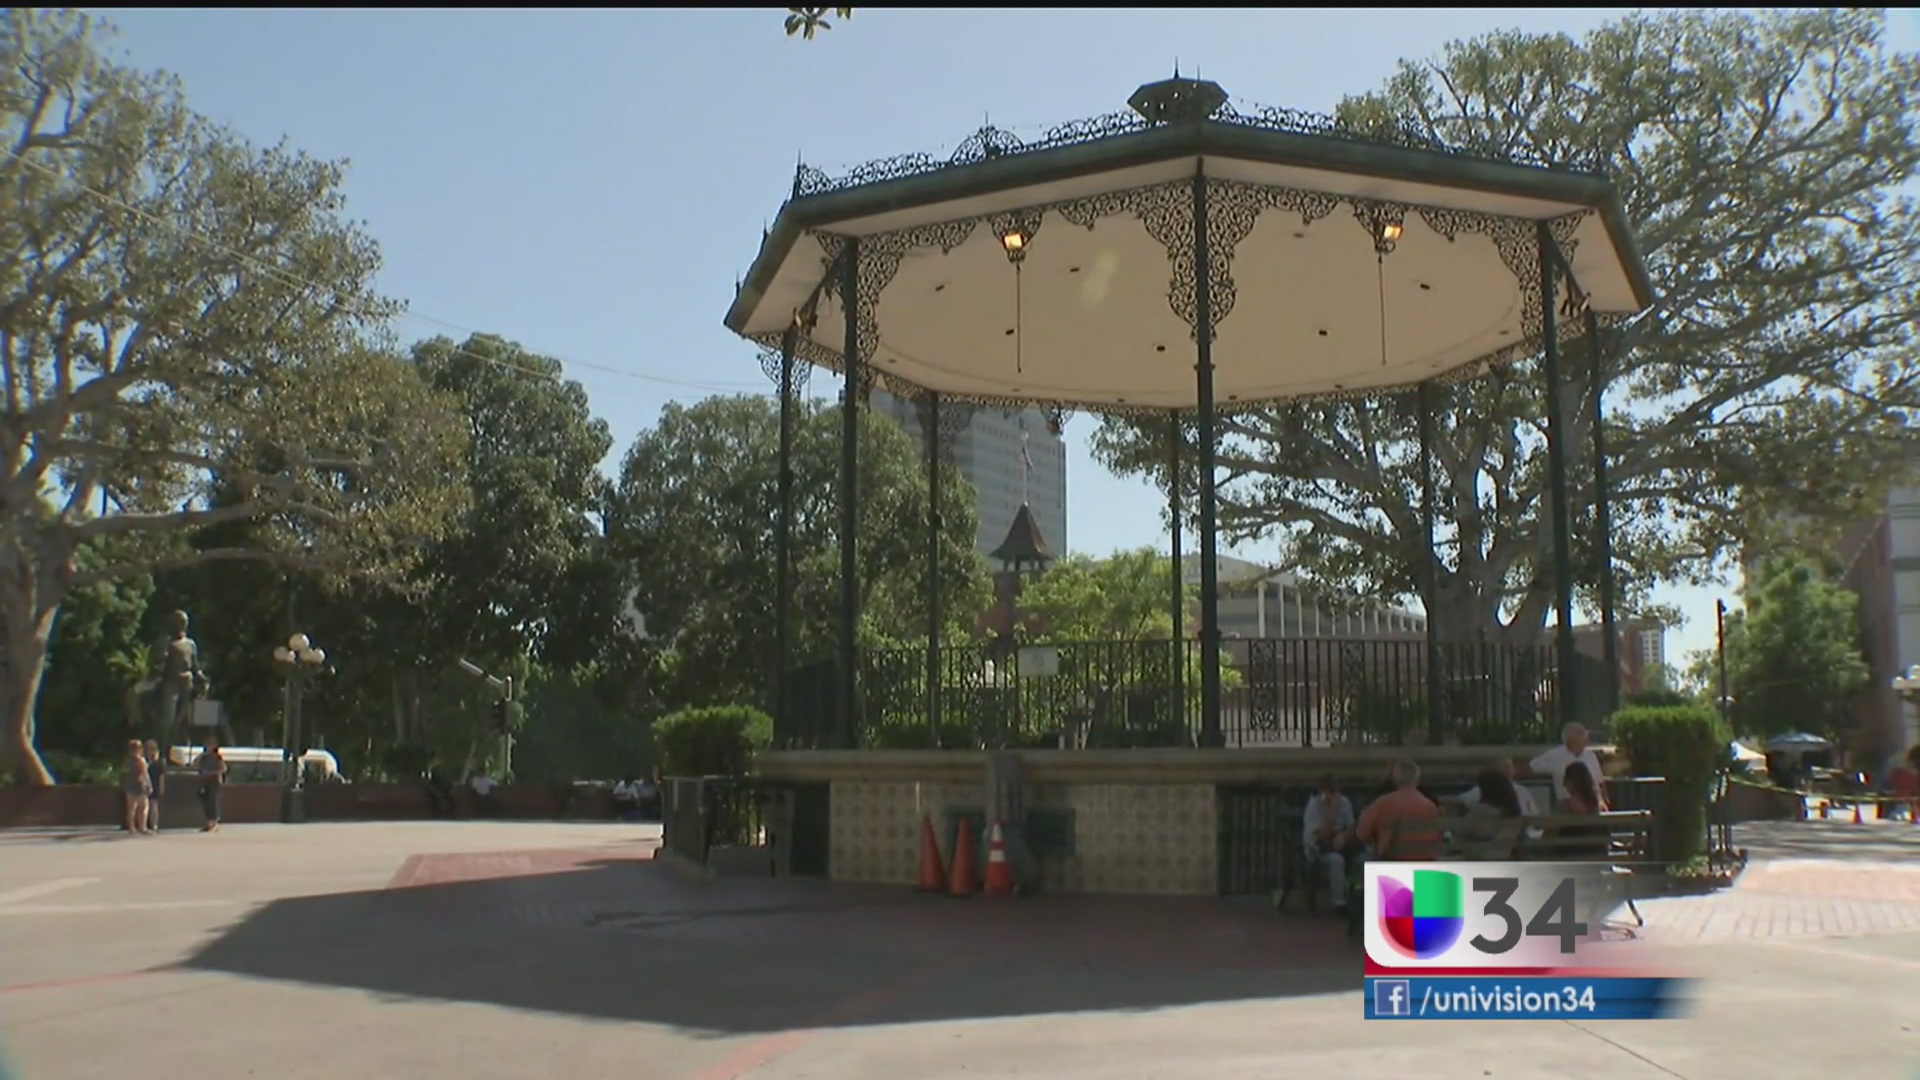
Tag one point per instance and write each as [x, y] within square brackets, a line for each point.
[162, 703]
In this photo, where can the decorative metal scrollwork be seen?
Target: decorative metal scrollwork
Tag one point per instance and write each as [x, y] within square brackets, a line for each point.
[991, 143]
[954, 418]
[1166, 213]
[880, 257]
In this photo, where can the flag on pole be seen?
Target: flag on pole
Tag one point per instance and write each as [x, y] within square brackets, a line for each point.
[1026, 459]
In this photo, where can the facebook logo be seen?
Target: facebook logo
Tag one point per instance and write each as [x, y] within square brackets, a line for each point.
[1392, 997]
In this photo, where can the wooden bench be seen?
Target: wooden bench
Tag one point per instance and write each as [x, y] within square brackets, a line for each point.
[1571, 838]
[1296, 870]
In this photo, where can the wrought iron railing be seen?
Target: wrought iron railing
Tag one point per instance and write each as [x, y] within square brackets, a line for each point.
[1123, 694]
[701, 813]
[683, 819]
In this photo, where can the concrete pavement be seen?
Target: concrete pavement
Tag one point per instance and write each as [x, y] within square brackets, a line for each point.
[484, 950]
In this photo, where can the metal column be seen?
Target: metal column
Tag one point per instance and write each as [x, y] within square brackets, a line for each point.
[1603, 514]
[1210, 733]
[1430, 577]
[930, 418]
[783, 541]
[1549, 255]
[1179, 599]
[849, 498]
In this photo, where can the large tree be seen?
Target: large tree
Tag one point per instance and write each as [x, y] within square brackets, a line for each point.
[1794, 658]
[185, 327]
[1762, 160]
[1124, 597]
[692, 522]
[518, 584]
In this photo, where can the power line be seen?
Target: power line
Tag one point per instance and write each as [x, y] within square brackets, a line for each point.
[287, 277]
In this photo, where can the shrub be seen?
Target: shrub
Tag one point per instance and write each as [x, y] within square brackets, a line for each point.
[78, 769]
[1686, 744]
[912, 734]
[714, 741]
[1384, 715]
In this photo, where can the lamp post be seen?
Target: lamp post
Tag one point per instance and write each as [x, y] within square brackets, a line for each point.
[502, 710]
[297, 661]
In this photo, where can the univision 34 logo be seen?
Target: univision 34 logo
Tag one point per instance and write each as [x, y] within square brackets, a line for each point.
[1492, 915]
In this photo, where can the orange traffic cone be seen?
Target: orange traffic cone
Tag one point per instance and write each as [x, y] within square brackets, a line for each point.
[999, 874]
[1857, 819]
[963, 879]
[933, 876]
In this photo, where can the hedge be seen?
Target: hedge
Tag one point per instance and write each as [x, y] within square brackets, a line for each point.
[714, 741]
[1686, 744]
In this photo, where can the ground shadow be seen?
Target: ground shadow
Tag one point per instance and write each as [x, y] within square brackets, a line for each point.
[629, 939]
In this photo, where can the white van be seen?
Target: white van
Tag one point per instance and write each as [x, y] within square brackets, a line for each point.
[260, 764]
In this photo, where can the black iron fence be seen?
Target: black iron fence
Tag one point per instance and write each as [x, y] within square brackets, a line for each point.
[700, 813]
[1122, 694]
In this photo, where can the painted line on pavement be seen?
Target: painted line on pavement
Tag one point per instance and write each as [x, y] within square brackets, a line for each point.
[88, 980]
[767, 1048]
[117, 909]
[29, 892]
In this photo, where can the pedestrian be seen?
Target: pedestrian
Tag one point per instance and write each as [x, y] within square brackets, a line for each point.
[135, 787]
[211, 769]
[484, 802]
[156, 784]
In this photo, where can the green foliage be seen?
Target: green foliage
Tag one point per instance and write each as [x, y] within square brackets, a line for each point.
[910, 733]
[532, 463]
[86, 768]
[272, 409]
[716, 740]
[573, 732]
[1688, 745]
[1124, 597]
[1764, 160]
[692, 523]
[808, 21]
[403, 762]
[1383, 714]
[1794, 660]
[98, 652]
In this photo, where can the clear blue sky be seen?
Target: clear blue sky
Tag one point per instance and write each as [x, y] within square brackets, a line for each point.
[591, 184]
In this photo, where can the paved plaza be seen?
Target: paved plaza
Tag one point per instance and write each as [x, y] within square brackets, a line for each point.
[477, 951]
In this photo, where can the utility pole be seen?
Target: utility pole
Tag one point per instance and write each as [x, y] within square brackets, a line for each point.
[1720, 656]
[501, 711]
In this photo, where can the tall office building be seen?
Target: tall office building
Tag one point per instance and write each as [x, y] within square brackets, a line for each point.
[988, 454]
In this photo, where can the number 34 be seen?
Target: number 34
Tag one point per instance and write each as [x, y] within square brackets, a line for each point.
[1555, 918]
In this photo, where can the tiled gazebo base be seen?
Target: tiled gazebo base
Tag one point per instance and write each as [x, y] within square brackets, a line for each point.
[1140, 822]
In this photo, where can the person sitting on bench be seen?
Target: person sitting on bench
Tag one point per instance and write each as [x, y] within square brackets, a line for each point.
[1583, 800]
[626, 800]
[1327, 836]
[1391, 825]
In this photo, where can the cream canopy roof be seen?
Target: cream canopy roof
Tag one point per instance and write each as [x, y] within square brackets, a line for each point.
[1101, 312]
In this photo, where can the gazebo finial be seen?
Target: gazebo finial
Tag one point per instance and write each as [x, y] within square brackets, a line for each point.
[1177, 99]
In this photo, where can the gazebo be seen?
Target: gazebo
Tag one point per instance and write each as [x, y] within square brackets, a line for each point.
[1185, 259]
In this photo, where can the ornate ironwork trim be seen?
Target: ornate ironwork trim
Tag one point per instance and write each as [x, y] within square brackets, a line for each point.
[802, 368]
[1166, 212]
[954, 418]
[990, 143]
